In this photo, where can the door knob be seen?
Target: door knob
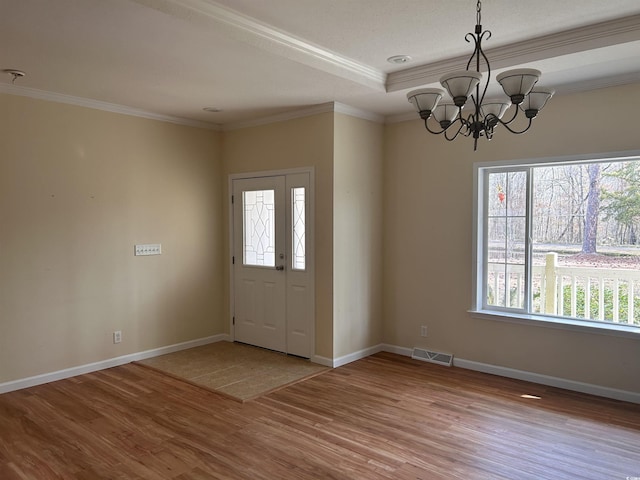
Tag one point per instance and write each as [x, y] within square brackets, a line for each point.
[280, 268]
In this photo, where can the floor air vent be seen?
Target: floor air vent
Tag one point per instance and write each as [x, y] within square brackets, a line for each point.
[433, 357]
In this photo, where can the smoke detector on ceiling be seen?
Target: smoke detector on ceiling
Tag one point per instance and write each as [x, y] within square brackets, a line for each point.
[399, 59]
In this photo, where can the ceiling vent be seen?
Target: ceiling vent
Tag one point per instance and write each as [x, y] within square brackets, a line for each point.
[433, 357]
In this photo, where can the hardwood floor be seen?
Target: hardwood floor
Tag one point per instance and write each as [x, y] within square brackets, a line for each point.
[384, 417]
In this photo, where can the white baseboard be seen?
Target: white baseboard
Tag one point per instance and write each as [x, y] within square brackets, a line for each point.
[111, 362]
[624, 395]
[589, 388]
[352, 357]
[405, 352]
[327, 362]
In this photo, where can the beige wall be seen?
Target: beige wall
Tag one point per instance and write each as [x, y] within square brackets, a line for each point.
[303, 142]
[428, 244]
[80, 187]
[357, 235]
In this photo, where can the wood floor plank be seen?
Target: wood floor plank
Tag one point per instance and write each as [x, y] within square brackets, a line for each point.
[381, 418]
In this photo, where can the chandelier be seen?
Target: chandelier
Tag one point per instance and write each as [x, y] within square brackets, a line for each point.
[466, 85]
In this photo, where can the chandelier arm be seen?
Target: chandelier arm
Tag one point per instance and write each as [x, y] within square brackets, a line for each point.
[486, 61]
[462, 125]
[467, 123]
[475, 38]
[488, 134]
[459, 119]
[514, 116]
[426, 125]
[517, 132]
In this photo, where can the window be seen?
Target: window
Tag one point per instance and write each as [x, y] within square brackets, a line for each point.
[560, 242]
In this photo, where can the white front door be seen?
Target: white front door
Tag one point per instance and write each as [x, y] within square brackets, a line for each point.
[272, 263]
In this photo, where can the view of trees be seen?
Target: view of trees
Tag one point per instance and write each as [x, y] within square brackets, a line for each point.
[588, 205]
[623, 204]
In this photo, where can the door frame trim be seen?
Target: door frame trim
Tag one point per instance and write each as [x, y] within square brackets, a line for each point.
[310, 240]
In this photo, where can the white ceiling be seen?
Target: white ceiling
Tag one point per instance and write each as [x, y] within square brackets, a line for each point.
[259, 58]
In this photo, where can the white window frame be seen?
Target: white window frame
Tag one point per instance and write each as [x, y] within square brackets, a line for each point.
[479, 307]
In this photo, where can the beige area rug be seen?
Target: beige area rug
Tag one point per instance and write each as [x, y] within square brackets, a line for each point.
[239, 371]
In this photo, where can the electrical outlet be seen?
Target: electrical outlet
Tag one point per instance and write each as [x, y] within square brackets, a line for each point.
[117, 336]
[423, 331]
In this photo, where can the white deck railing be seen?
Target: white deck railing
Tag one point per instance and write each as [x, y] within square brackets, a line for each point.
[556, 290]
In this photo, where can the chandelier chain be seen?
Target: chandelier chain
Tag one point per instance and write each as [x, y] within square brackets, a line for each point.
[478, 13]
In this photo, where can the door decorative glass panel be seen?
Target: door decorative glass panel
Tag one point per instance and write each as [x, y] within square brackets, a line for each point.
[298, 228]
[259, 228]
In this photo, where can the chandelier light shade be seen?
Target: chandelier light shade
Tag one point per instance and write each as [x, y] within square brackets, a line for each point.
[518, 83]
[495, 108]
[534, 102]
[425, 100]
[445, 113]
[467, 87]
[460, 85]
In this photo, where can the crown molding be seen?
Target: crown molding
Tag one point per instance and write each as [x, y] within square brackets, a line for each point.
[330, 107]
[598, 83]
[281, 117]
[401, 117]
[135, 112]
[271, 39]
[104, 106]
[357, 112]
[604, 34]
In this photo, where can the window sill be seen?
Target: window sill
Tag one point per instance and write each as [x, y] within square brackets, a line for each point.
[615, 330]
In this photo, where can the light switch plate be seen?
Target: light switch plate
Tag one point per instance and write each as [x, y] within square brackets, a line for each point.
[148, 249]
